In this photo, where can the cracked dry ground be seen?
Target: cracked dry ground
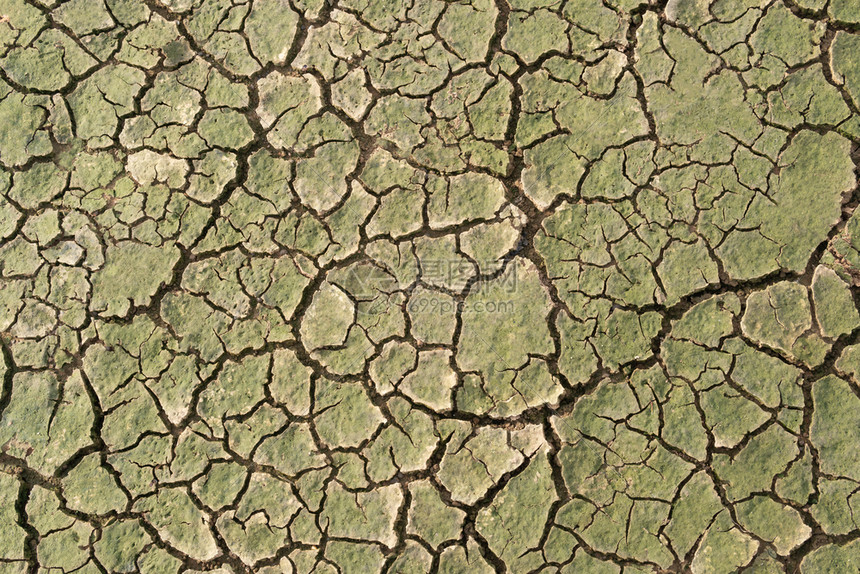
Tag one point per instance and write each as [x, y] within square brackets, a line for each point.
[359, 286]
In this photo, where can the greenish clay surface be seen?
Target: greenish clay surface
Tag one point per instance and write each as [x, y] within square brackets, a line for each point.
[456, 287]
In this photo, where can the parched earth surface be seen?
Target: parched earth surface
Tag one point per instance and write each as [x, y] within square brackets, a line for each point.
[360, 286]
